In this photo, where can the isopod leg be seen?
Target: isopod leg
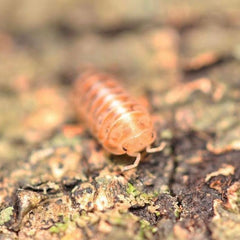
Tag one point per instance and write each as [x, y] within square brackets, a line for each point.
[156, 149]
[135, 164]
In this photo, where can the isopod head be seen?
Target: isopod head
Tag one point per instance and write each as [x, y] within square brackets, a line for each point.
[139, 142]
[131, 134]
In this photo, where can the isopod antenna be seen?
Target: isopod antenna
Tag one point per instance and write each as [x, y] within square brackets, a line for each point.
[156, 149]
[148, 150]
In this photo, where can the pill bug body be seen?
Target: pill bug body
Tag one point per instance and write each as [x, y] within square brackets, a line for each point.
[120, 123]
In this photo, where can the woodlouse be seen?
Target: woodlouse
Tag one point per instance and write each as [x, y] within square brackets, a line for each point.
[120, 123]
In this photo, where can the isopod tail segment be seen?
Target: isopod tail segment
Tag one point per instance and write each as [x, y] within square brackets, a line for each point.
[149, 149]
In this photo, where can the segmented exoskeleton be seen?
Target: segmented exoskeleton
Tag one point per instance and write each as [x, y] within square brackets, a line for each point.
[117, 120]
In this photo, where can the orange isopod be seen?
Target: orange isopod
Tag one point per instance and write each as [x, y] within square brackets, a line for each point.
[119, 122]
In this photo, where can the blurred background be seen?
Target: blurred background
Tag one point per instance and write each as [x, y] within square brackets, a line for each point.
[152, 45]
[179, 58]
